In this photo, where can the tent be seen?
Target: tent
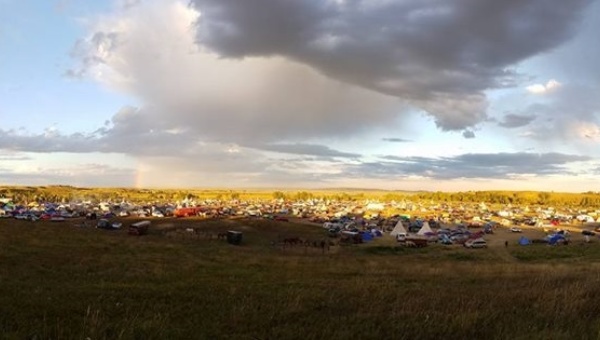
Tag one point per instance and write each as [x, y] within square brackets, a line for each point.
[367, 236]
[398, 229]
[425, 229]
[554, 239]
[376, 232]
[524, 241]
[445, 239]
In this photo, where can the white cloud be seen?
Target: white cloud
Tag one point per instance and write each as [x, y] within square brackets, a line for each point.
[528, 134]
[569, 120]
[550, 86]
[149, 51]
[85, 174]
[586, 131]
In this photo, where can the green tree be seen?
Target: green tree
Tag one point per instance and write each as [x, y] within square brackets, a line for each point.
[543, 197]
[278, 195]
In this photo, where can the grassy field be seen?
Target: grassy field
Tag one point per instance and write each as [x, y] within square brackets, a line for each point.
[59, 281]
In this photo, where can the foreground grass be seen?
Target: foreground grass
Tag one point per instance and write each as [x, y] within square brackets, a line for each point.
[63, 282]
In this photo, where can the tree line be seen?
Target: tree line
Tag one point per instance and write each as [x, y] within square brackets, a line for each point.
[588, 199]
[63, 194]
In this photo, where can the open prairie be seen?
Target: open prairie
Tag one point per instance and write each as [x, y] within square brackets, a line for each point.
[65, 281]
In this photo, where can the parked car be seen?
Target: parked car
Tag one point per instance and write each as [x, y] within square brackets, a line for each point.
[139, 228]
[516, 230]
[401, 237]
[106, 224]
[477, 243]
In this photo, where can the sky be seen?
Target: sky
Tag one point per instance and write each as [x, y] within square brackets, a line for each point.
[448, 95]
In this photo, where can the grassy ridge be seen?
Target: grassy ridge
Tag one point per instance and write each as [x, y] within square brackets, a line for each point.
[59, 281]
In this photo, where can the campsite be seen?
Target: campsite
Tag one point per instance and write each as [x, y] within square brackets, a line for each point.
[70, 279]
[299, 169]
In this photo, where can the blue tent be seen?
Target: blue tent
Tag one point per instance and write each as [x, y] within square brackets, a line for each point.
[553, 239]
[366, 236]
[524, 241]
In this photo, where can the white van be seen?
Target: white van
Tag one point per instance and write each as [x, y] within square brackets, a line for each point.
[477, 243]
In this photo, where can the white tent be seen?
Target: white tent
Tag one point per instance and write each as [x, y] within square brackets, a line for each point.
[425, 229]
[398, 229]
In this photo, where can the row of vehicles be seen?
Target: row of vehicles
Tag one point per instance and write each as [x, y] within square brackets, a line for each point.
[137, 228]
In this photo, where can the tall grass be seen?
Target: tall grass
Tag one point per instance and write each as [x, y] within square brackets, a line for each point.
[62, 282]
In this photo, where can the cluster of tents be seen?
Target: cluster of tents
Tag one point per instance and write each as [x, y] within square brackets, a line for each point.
[350, 232]
[360, 236]
[557, 238]
[445, 236]
[420, 232]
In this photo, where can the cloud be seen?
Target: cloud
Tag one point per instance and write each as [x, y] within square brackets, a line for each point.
[126, 4]
[268, 165]
[579, 58]
[550, 86]
[396, 140]
[570, 119]
[306, 149]
[437, 55]
[244, 168]
[588, 130]
[13, 156]
[223, 97]
[528, 134]
[284, 71]
[257, 99]
[513, 120]
[468, 134]
[49, 141]
[90, 174]
[484, 165]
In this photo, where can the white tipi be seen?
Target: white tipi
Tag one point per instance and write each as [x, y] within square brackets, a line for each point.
[425, 229]
[398, 229]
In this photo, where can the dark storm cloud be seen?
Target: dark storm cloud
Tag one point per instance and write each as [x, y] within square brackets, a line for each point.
[512, 120]
[439, 55]
[500, 165]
